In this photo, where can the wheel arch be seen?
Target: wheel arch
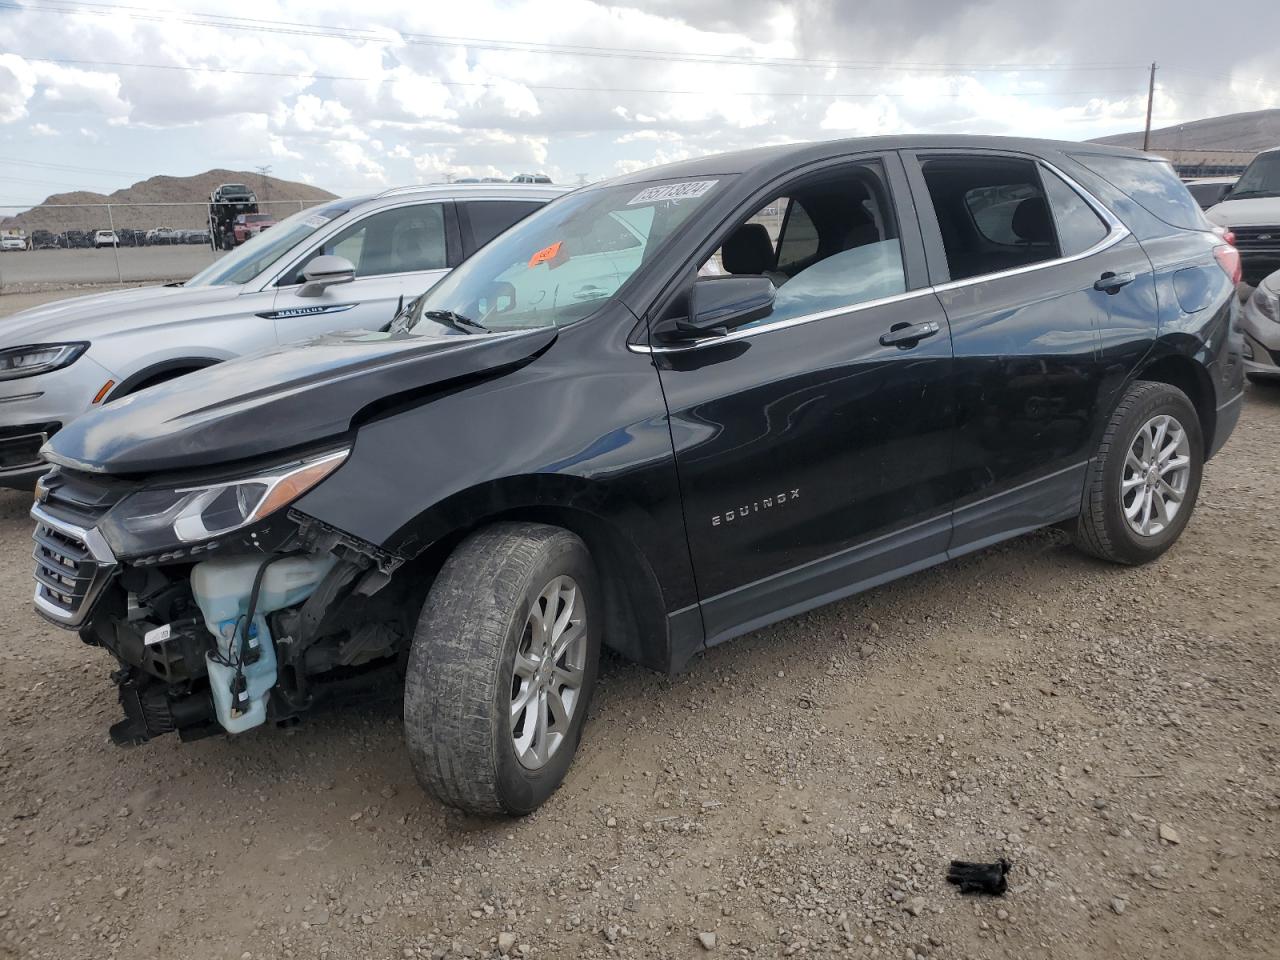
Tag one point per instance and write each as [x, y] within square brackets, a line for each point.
[162, 370]
[1180, 371]
[635, 623]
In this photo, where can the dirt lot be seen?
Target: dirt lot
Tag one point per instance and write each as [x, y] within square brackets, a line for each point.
[795, 793]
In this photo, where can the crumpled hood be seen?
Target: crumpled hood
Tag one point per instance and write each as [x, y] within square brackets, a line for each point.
[277, 400]
[85, 318]
[1258, 212]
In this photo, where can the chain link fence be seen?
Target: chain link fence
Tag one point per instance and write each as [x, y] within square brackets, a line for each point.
[67, 246]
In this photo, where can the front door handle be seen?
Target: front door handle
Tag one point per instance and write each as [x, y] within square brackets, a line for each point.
[1112, 282]
[907, 335]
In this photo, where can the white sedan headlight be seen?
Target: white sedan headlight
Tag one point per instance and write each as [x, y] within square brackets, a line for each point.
[28, 361]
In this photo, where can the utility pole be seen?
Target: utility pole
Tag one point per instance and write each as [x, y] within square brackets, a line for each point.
[262, 172]
[1151, 95]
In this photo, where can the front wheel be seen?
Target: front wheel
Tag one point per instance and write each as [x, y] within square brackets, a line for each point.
[1145, 479]
[502, 668]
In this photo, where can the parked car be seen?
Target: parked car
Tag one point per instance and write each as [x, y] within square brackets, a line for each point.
[233, 193]
[43, 240]
[105, 238]
[342, 265]
[573, 439]
[1260, 322]
[1251, 212]
[249, 225]
[531, 178]
[163, 236]
[11, 241]
[1209, 191]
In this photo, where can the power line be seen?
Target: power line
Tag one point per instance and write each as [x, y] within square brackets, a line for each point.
[323, 31]
[49, 165]
[817, 94]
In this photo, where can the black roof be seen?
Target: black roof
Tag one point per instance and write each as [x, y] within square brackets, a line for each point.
[779, 159]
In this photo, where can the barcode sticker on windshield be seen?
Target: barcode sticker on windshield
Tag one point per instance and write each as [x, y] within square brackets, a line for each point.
[315, 221]
[673, 191]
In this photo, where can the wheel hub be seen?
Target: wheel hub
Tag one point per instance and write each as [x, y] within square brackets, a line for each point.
[1156, 474]
[548, 673]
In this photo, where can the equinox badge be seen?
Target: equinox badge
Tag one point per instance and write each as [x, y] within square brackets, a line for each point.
[755, 506]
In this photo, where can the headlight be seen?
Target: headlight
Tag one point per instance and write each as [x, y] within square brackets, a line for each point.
[1265, 301]
[161, 518]
[18, 362]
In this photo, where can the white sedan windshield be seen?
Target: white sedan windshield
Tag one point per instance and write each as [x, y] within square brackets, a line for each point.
[266, 248]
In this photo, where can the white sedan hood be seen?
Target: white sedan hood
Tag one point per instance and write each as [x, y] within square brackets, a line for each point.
[98, 315]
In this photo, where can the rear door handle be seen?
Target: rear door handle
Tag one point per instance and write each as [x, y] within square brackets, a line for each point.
[1112, 282]
[907, 335]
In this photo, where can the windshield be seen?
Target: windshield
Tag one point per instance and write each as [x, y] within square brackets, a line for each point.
[264, 249]
[1261, 179]
[562, 262]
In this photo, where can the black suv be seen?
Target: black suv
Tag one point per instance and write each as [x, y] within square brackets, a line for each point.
[660, 412]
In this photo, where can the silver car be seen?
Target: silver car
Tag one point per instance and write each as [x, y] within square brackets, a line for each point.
[339, 266]
[1260, 321]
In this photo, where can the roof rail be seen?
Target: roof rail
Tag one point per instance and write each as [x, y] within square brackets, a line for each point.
[407, 188]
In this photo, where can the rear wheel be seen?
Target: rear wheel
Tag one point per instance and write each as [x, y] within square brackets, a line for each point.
[502, 668]
[1144, 482]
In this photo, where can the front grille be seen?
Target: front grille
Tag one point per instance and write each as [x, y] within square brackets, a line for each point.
[1257, 238]
[72, 567]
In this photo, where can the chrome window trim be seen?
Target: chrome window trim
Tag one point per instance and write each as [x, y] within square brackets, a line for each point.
[1117, 231]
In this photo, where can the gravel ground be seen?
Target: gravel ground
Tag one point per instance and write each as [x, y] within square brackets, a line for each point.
[797, 792]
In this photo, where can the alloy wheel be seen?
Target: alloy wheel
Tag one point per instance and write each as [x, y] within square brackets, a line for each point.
[1157, 470]
[550, 665]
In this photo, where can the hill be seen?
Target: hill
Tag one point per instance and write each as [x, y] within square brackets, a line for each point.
[1251, 131]
[178, 202]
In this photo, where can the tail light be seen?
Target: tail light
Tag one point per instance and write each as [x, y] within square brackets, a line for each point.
[1228, 258]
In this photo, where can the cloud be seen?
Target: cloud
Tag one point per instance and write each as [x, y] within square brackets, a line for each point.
[42, 130]
[395, 99]
[17, 84]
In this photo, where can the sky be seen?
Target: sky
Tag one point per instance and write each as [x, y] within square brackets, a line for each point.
[355, 97]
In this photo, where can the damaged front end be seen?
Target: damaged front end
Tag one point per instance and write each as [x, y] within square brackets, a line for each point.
[224, 607]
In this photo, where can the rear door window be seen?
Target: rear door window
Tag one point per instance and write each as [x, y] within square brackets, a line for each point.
[1152, 184]
[1079, 227]
[482, 220]
[992, 214]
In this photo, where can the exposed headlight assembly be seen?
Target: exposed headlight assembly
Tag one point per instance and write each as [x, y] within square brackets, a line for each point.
[161, 518]
[16, 362]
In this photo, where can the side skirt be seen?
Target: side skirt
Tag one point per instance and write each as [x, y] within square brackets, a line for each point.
[1011, 513]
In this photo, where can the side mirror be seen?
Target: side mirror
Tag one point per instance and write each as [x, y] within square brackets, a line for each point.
[718, 304]
[324, 272]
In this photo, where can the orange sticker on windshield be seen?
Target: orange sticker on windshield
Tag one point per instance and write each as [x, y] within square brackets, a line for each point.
[546, 254]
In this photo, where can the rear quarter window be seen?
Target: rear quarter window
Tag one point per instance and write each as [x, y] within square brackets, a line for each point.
[1152, 184]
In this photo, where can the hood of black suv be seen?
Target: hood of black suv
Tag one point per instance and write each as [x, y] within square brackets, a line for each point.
[280, 399]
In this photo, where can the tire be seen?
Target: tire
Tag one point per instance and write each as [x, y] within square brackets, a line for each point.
[1103, 529]
[1263, 379]
[462, 677]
